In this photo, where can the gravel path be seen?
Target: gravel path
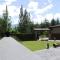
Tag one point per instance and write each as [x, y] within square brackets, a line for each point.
[10, 49]
[49, 54]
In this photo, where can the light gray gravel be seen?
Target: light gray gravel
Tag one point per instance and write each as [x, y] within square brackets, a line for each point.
[10, 49]
[49, 54]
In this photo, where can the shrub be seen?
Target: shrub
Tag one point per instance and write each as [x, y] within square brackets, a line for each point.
[24, 36]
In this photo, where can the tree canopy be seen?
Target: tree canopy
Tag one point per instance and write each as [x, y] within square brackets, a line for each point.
[5, 23]
[25, 24]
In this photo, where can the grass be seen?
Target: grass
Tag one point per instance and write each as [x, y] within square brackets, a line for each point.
[37, 45]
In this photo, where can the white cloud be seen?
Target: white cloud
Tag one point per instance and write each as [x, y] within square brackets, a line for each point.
[32, 6]
[8, 2]
[57, 15]
[43, 10]
[2, 9]
[14, 13]
[49, 16]
[38, 19]
[12, 9]
[50, 1]
[37, 12]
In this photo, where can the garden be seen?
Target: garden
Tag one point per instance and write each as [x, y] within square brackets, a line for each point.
[37, 45]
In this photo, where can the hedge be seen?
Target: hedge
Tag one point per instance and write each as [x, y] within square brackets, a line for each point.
[25, 37]
[21, 36]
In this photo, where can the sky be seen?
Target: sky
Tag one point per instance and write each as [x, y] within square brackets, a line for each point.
[39, 9]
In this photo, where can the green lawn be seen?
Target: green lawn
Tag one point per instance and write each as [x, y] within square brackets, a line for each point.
[37, 45]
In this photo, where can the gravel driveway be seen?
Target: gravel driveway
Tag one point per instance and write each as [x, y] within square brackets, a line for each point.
[10, 49]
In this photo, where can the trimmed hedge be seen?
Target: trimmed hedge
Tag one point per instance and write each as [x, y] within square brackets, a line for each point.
[2, 35]
[21, 36]
[7, 34]
[25, 37]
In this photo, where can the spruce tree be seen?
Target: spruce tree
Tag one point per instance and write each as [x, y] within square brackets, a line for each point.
[25, 24]
[7, 22]
[53, 22]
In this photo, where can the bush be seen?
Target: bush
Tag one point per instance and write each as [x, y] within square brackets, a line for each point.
[2, 35]
[7, 34]
[24, 36]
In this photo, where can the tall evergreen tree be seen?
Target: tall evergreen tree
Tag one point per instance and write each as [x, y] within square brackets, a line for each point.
[20, 26]
[53, 22]
[57, 22]
[7, 23]
[2, 29]
[24, 21]
[36, 25]
[42, 25]
[47, 24]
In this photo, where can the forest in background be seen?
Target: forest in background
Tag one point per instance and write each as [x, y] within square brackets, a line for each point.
[25, 24]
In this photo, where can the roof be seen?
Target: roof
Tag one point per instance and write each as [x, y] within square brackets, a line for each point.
[54, 26]
[38, 29]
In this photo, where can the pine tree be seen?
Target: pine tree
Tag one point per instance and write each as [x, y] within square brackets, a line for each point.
[25, 24]
[47, 24]
[1, 25]
[53, 22]
[7, 23]
[20, 26]
[57, 22]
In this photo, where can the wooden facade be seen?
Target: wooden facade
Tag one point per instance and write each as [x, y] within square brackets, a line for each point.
[55, 32]
[37, 31]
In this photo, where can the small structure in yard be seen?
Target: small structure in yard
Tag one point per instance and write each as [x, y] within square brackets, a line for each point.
[38, 31]
[54, 32]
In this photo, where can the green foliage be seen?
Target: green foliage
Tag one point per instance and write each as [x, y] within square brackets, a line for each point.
[53, 22]
[2, 29]
[7, 23]
[25, 24]
[45, 24]
[42, 25]
[36, 25]
[45, 33]
[57, 22]
[37, 45]
[14, 30]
